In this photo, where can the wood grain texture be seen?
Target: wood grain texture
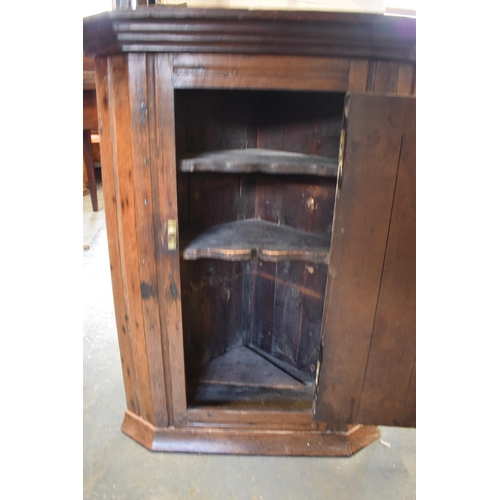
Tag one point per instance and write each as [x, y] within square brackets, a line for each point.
[256, 442]
[392, 350]
[245, 239]
[249, 68]
[125, 202]
[108, 135]
[177, 30]
[90, 121]
[259, 160]
[89, 167]
[141, 171]
[358, 75]
[406, 80]
[260, 72]
[360, 228]
[242, 366]
[213, 297]
[164, 194]
[253, 419]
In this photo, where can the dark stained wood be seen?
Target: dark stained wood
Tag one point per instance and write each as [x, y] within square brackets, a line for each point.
[108, 137]
[287, 368]
[362, 218]
[262, 303]
[213, 296]
[213, 198]
[164, 193]
[288, 310]
[119, 98]
[242, 366]
[358, 75]
[245, 239]
[308, 205]
[406, 80]
[392, 350]
[409, 412]
[213, 80]
[259, 160]
[253, 419]
[250, 398]
[90, 121]
[260, 72]
[257, 442]
[180, 30]
[89, 167]
[386, 77]
[314, 279]
[141, 172]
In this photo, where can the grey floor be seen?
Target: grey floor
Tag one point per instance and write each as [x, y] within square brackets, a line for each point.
[114, 466]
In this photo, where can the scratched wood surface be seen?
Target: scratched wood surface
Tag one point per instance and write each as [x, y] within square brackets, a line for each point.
[259, 160]
[371, 228]
[274, 81]
[242, 240]
[292, 125]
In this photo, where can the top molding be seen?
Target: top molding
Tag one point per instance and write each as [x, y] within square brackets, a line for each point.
[325, 34]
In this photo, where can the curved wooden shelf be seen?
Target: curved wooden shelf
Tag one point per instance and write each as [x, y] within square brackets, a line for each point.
[260, 160]
[242, 240]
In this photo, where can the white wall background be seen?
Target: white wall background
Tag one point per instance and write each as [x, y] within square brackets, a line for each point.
[377, 6]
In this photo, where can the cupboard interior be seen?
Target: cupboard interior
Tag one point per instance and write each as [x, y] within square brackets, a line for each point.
[256, 178]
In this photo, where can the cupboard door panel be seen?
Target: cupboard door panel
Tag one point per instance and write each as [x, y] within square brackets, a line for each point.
[367, 339]
[388, 389]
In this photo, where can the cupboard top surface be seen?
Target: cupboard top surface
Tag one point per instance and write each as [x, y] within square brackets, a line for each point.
[331, 34]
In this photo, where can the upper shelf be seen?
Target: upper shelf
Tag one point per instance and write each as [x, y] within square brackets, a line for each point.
[260, 160]
[241, 240]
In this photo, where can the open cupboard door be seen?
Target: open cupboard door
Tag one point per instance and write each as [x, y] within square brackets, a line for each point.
[367, 367]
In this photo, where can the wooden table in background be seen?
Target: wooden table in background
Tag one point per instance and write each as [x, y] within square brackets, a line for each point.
[90, 124]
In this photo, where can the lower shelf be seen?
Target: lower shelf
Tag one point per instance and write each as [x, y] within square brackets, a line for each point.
[244, 239]
[243, 379]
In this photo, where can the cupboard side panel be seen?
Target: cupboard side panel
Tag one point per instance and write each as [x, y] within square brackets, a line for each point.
[164, 194]
[362, 214]
[111, 213]
[126, 217]
[141, 165]
[392, 350]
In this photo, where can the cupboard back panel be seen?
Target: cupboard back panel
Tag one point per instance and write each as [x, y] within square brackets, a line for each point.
[276, 307]
[287, 311]
[214, 308]
[300, 122]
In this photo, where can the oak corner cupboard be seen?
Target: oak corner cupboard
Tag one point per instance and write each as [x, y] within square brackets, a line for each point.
[259, 182]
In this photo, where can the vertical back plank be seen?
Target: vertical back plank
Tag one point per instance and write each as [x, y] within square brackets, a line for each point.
[358, 75]
[262, 317]
[110, 212]
[145, 233]
[386, 77]
[288, 310]
[125, 202]
[406, 80]
[362, 214]
[310, 331]
[392, 350]
[164, 192]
